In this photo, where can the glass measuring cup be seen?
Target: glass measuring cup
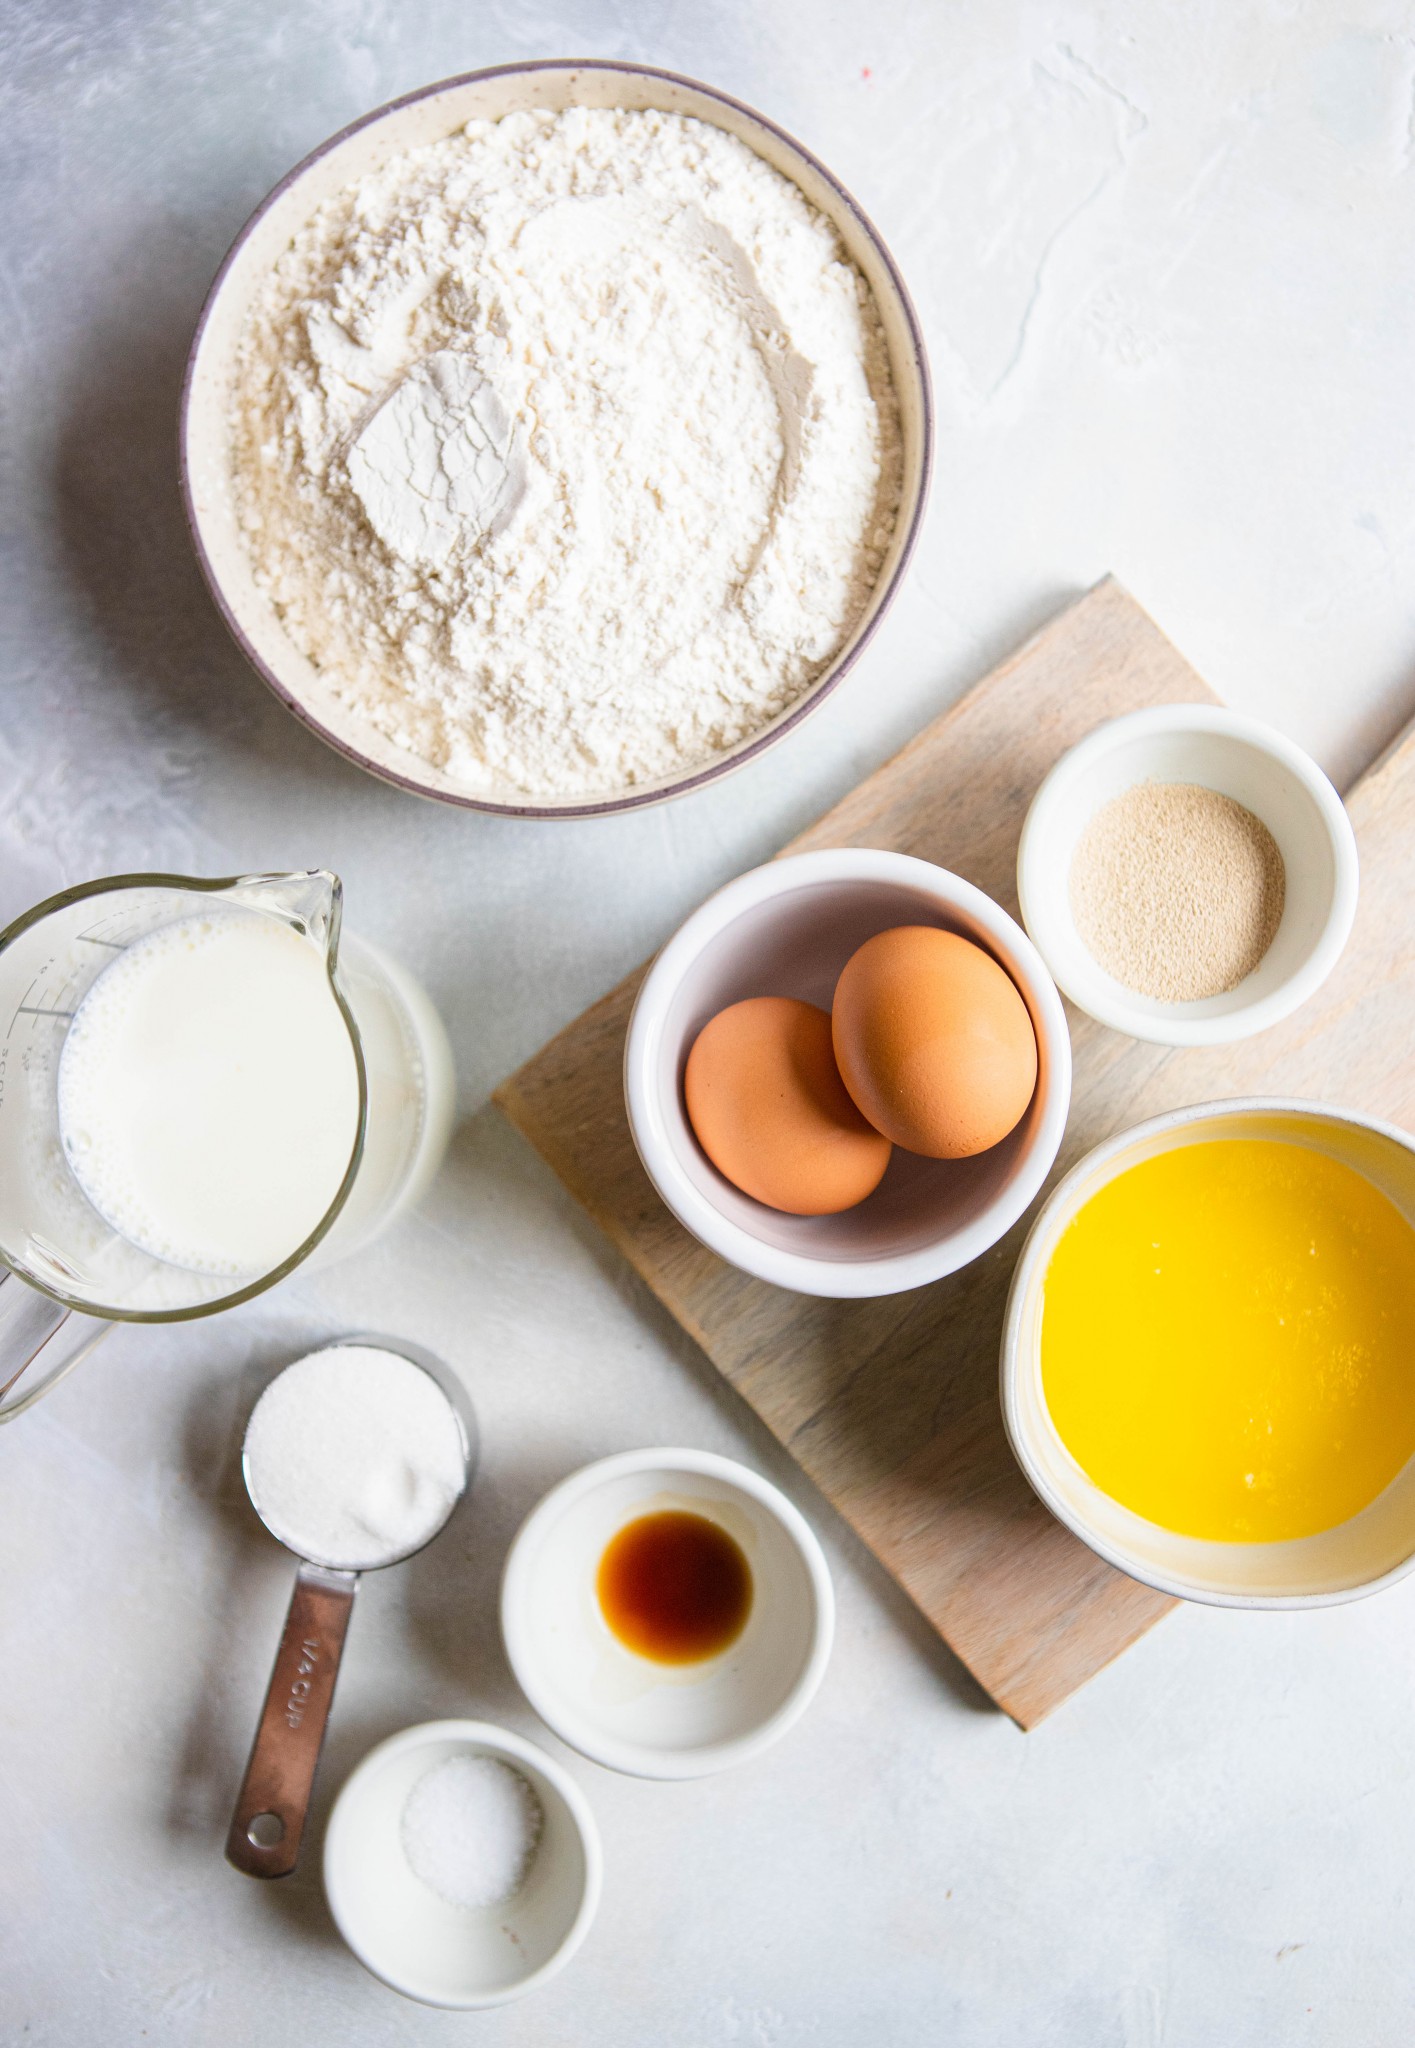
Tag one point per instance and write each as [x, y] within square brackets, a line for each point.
[67, 1274]
[269, 1818]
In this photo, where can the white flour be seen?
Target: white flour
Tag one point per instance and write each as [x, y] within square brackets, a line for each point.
[566, 448]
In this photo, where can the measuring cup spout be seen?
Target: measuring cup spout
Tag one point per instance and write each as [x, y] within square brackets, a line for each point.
[311, 899]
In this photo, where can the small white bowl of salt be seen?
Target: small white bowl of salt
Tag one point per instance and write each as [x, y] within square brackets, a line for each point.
[462, 1864]
[1188, 875]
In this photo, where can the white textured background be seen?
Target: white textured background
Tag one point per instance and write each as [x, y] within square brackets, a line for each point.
[1165, 259]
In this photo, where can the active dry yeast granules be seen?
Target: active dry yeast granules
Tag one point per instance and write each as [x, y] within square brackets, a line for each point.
[1176, 890]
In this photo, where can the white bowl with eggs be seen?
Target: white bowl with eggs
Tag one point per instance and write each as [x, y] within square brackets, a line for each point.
[1368, 1551]
[1239, 758]
[618, 1707]
[788, 929]
[428, 116]
[423, 1945]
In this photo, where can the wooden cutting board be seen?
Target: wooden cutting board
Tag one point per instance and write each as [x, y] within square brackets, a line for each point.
[891, 1405]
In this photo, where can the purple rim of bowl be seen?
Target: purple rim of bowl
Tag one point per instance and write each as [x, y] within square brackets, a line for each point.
[818, 690]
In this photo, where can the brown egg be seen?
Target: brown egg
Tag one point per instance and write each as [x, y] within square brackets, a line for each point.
[933, 1041]
[769, 1109]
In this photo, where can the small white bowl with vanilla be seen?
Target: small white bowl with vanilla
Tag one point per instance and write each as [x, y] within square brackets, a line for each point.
[1162, 818]
[584, 1660]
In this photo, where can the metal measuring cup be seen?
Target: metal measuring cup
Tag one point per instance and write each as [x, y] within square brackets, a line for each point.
[271, 1808]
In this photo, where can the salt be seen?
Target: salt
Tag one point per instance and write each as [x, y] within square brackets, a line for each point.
[354, 1457]
[470, 1829]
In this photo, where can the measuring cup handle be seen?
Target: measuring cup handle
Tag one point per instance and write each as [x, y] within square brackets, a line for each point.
[269, 1820]
[36, 1331]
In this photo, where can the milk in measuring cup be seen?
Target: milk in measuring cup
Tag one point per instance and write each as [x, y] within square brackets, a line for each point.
[208, 1093]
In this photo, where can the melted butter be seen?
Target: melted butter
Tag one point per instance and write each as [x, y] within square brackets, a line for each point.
[1228, 1340]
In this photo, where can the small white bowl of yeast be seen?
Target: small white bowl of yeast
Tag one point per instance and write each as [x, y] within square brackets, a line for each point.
[1236, 757]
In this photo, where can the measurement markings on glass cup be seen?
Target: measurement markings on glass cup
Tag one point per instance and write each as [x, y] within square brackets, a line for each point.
[25, 1008]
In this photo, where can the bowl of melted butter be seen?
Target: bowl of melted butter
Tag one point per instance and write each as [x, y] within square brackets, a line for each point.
[1208, 1359]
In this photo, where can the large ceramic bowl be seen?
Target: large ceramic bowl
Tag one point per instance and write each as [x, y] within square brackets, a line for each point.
[428, 116]
[1360, 1555]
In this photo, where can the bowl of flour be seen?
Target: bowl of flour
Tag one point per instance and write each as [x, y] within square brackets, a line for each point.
[555, 438]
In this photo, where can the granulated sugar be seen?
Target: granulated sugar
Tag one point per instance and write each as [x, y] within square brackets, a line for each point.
[354, 1456]
[1177, 891]
[470, 1829]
